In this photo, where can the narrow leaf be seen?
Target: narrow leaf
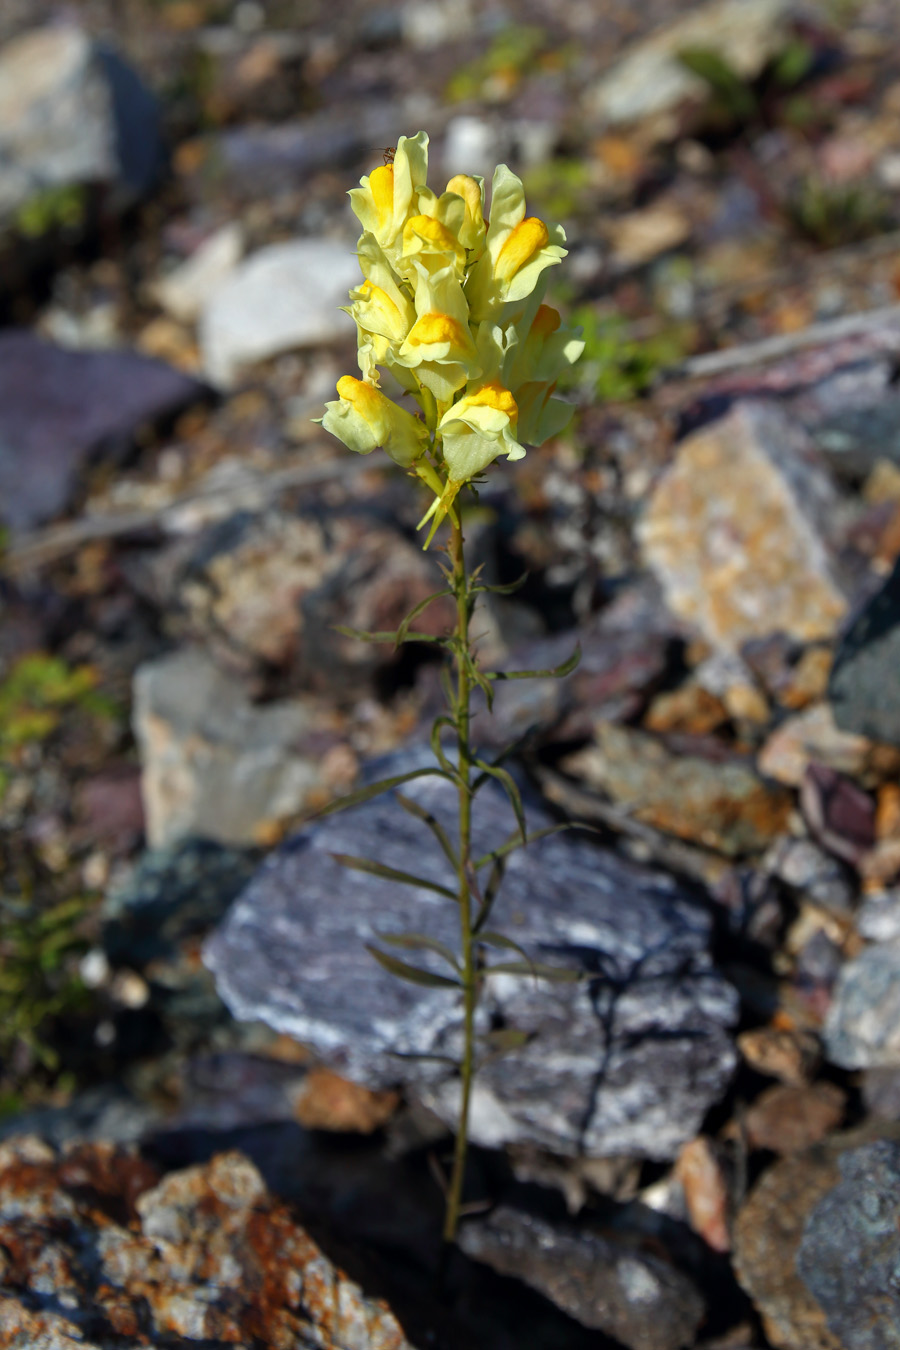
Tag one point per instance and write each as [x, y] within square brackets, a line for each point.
[391, 637]
[492, 939]
[509, 588]
[495, 881]
[515, 840]
[366, 794]
[553, 672]
[414, 613]
[501, 1040]
[415, 809]
[420, 942]
[377, 869]
[505, 778]
[413, 974]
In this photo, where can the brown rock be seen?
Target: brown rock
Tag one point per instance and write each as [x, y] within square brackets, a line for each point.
[328, 1102]
[205, 1254]
[787, 1119]
[813, 736]
[691, 709]
[790, 1055]
[736, 531]
[767, 1235]
[721, 805]
[705, 1192]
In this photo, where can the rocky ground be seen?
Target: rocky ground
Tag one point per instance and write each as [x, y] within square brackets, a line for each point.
[212, 1102]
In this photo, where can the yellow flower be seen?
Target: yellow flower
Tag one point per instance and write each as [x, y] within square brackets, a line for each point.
[386, 196]
[517, 250]
[364, 418]
[477, 428]
[440, 347]
[471, 190]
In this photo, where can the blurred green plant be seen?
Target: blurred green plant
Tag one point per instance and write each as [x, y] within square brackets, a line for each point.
[559, 186]
[512, 53]
[34, 695]
[736, 102]
[39, 980]
[617, 367]
[833, 214]
[52, 209]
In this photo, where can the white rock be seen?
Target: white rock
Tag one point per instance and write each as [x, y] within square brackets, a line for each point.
[189, 288]
[56, 123]
[650, 79]
[470, 146]
[213, 765]
[284, 296]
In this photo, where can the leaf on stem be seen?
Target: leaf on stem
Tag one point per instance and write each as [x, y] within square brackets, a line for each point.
[508, 783]
[554, 672]
[412, 974]
[515, 840]
[377, 869]
[365, 794]
[421, 942]
[509, 588]
[540, 970]
[415, 809]
[391, 637]
[403, 631]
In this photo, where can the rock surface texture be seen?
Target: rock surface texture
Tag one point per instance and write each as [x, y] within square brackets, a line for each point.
[605, 1282]
[736, 531]
[627, 1060]
[864, 690]
[100, 1254]
[214, 765]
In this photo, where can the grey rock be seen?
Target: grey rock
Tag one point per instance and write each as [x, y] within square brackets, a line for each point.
[878, 918]
[72, 112]
[285, 296]
[604, 1281]
[626, 1062]
[649, 79]
[213, 765]
[185, 290]
[59, 409]
[856, 438]
[863, 689]
[862, 1029]
[849, 1256]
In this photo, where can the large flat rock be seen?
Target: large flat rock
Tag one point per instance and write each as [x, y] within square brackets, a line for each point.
[626, 1061]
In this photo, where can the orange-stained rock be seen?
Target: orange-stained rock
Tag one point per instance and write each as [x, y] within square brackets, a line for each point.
[329, 1102]
[205, 1254]
[705, 1192]
[787, 1119]
[736, 531]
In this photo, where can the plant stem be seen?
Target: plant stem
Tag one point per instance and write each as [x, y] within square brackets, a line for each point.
[469, 972]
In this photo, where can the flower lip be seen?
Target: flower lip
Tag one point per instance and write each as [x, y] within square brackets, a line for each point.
[524, 241]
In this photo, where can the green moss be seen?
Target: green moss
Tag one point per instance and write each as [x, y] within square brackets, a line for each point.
[53, 209]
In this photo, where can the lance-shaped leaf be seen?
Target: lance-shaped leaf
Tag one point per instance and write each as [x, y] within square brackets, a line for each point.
[515, 840]
[392, 636]
[421, 942]
[491, 939]
[412, 974]
[553, 672]
[507, 588]
[503, 1039]
[365, 794]
[540, 970]
[437, 749]
[505, 778]
[403, 630]
[495, 880]
[478, 677]
[421, 813]
[377, 869]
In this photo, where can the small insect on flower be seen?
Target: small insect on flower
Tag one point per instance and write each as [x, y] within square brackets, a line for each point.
[388, 153]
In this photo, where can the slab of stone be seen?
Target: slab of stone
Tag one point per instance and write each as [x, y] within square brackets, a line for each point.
[606, 1282]
[767, 1236]
[650, 79]
[201, 1255]
[862, 1030]
[850, 1250]
[626, 1061]
[283, 297]
[864, 690]
[213, 765]
[60, 409]
[811, 735]
[737, 531]
[720, 804]
[184, 291]
[72, 112]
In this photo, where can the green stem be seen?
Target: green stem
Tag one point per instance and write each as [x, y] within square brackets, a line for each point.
[469, 971]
